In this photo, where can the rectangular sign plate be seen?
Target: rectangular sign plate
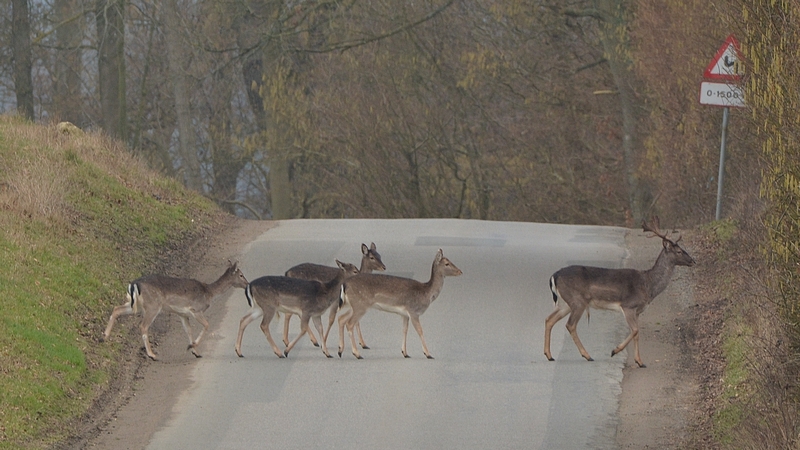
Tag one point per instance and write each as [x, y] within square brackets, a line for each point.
[721, 94]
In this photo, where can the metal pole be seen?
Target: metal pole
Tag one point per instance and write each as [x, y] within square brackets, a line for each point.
[721, 161]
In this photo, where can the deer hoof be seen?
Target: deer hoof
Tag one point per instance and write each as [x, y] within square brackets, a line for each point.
[365, 347]
[641, 365]
[429, 356]
[340, 354]
[286, 352]
[589, 359]
[316, 344]
[405, 355]
[359, 357]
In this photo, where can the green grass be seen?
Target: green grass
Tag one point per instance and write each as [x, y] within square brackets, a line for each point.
[735, 381]
[80, 219]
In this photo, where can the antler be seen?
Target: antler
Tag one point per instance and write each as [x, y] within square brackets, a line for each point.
[654, 228]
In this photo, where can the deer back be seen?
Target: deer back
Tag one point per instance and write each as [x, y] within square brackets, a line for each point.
[297, 293]
[599, 287]
[311, 271]
[370, 260]
[392, 292]
[182, 293]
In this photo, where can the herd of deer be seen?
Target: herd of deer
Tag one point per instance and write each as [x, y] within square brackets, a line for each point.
[308, 290]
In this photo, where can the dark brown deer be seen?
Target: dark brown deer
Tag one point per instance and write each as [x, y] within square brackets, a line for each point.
[308, 299]
[370, 260]
[626, 290]
[182, 296]
[404, 296]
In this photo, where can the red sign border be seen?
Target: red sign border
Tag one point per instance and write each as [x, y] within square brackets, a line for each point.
[728, 41]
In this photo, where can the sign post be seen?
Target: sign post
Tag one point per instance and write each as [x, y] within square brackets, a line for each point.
[722, 88]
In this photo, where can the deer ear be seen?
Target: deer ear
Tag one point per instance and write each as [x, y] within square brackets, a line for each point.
[372, 246]
[439, 255]
[364, 248]
[666, 242]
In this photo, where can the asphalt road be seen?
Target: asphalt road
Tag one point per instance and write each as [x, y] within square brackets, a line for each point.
[490, 385]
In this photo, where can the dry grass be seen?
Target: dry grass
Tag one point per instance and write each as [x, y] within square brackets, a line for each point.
[80, 217]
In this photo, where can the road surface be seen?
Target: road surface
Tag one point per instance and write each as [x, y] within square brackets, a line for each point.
[490, 385]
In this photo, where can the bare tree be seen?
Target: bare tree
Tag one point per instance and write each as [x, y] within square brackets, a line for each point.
[111, 66]
[21, 43]
[67, 100]
[177, 57]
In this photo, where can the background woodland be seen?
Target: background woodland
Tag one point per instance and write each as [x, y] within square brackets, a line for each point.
[583, 111]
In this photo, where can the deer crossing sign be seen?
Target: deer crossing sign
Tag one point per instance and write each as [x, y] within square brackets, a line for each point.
[723, 77]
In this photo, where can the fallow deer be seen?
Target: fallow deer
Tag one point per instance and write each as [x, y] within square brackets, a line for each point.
[183, 296]
[370, 260]
[404, 296]
[627, 290]
[308, 299]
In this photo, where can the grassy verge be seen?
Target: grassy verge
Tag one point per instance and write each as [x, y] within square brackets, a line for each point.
[80, 218]
[753, 394]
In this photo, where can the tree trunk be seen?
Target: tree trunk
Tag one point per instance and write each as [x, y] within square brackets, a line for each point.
[227, 162]
[176, 60]
[67, 88]
[111, 66]
[616, 46]
[21, 37]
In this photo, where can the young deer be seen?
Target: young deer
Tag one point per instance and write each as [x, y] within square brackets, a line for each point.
[183, 296]
[370, 260]
[406, 297]
[308, 299]
[626, 290]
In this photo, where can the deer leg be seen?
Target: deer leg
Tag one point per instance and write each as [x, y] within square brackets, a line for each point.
[147, 320]
[254, 313]
[361, 337]
[405, 335]
[352, 321]
[343, 318]
[318, 324]
[331, 319]
[187, 327]
[287, 317]
[200, 317]
[572, 327]
[418, 327]
[265, 329]
[633, 323]
[551, 320]
[303, 330]
[121, 310]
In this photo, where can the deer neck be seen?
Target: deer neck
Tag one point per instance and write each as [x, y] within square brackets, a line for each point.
[660, 275]
[219, 286]
[434, 285]
[335, 282]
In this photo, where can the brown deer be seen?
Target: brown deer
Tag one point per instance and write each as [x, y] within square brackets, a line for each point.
[308, 299]
[183, 296]
[370, 260]
[404, 296]
[626, 290]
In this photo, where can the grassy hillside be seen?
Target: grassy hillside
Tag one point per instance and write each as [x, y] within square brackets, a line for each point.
[80, 218]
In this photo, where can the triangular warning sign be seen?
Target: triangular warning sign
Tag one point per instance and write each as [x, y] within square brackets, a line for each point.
[727, 64]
